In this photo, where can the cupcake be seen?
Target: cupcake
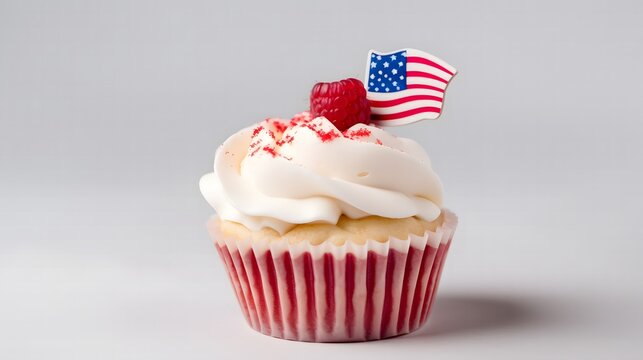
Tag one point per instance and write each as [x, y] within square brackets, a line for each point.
[330, 228]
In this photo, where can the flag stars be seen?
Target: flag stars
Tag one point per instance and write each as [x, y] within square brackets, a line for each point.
[404, 54]
[383, 76]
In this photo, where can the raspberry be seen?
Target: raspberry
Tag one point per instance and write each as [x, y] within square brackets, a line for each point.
[342, 102]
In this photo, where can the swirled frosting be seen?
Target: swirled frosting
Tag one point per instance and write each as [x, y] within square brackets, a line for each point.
[281, 173]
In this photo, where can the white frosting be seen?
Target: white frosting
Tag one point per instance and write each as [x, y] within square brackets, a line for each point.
[312, 173]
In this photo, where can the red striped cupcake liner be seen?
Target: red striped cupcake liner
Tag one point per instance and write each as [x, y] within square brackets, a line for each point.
[330, 293]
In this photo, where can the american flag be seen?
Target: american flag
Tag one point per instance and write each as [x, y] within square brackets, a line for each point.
[405, 86]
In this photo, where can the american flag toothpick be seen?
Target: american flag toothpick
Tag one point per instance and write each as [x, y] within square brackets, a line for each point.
[405, 86]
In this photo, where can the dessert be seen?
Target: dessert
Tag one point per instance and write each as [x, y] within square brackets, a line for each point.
[330, 228]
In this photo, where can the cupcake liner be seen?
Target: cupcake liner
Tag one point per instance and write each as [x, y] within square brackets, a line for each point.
[330, 293]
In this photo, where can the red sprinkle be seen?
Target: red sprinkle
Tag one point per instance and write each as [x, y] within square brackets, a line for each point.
[257, 130]
[378, 142]
[325, 136]
[303, 117]
[363, 132]
[270, 150]
[279, 125]
[285, 140]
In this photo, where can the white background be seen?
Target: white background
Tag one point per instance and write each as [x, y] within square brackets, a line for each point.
[110, 111]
